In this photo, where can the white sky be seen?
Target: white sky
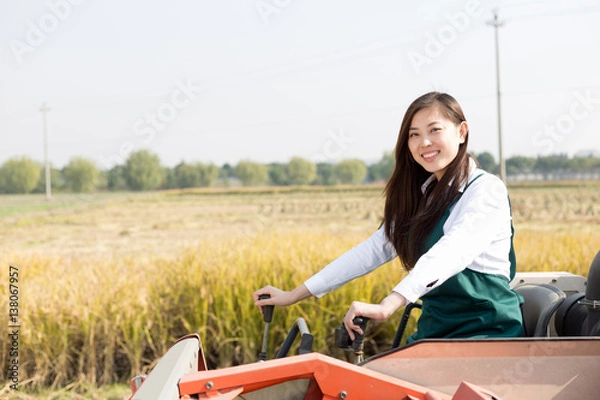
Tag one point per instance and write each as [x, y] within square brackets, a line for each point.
[272, 79]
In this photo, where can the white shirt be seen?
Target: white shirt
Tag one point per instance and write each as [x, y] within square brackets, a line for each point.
[477, 236]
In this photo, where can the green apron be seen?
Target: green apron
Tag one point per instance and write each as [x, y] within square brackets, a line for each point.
[470, 304]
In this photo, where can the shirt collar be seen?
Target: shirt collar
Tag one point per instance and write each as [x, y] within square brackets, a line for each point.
[472, 168]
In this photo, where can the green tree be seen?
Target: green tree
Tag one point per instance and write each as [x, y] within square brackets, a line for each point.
[143, 171]
[19, 175]
[251, 173]
[382, 169]
[487, 162]
[102, 185]
[301, 171]
[351, 171]
[225, 174]
[226, 171]
[195, 175]
[170, 179]
[278, 174]
[325, 174]
[186, 176]
[57, 182]
[115, 179]
[584, 163]
[208, 174]
[81, 175]
[519, 165]
[552, 163]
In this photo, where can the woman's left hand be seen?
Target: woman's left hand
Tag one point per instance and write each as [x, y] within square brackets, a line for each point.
[375, 312]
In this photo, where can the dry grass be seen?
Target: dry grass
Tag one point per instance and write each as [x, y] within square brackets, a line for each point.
[108, 284]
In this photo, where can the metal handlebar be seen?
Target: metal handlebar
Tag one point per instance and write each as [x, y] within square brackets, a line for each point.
[306, 339]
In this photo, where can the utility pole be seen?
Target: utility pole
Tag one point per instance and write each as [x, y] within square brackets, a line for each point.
[496, 23]
[44, 109]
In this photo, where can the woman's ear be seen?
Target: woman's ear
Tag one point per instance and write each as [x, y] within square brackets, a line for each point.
[463, 131]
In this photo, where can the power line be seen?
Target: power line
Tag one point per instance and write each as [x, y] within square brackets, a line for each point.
[559, 13]
[336, 56]
[528, 3]
[564, 89]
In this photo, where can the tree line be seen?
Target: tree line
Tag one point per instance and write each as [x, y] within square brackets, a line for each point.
[143, 171]
[554, 166]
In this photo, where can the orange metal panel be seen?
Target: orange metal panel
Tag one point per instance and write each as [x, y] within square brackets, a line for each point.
[523, 368]
[467, 391]
[228, 395]
[516, 347]
[335, 379]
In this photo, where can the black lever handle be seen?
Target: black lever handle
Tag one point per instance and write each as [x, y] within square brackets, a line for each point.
[342, 339]
[358, 342]
[267, 310]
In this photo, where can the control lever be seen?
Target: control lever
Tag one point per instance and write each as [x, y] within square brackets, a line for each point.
[267, 317]
[343, 341]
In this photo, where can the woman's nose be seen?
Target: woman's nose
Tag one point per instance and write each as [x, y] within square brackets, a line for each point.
[425, 141]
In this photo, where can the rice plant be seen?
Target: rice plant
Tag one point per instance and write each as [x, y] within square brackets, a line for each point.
[89, 319]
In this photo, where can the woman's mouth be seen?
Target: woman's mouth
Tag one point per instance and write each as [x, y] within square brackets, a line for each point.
[430, 155]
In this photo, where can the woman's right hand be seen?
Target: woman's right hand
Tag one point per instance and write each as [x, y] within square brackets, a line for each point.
[280, 297]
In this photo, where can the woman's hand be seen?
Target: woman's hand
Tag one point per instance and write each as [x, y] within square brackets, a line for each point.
[280, 297]
[375, 312]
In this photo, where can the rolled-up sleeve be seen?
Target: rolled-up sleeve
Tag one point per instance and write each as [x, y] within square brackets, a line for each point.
[479, 220]
[360, 260]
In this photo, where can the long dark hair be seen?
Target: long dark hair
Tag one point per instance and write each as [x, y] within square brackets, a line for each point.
[409, 217]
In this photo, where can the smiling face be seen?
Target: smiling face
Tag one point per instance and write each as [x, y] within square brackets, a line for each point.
[433, 140]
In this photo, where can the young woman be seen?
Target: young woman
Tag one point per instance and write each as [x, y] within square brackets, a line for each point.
[450, 224]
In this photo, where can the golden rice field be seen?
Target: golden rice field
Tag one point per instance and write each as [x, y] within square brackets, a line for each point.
[107, 282]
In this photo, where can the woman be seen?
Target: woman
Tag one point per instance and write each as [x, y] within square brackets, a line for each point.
[450, 224]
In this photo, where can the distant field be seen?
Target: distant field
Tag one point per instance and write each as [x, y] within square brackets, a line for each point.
[159, 223]
[109, 281]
